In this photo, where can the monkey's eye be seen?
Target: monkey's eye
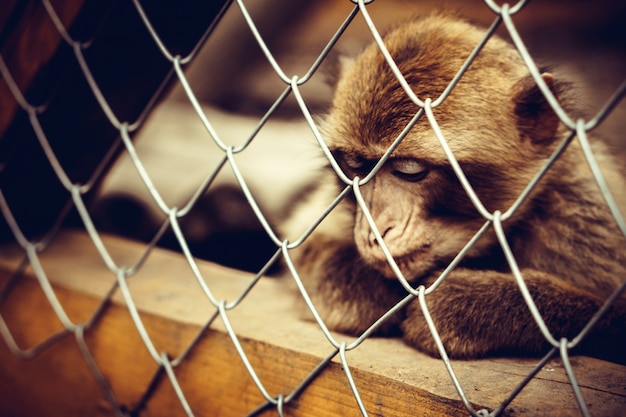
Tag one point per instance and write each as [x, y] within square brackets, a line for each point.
[356, 164]
[408, 169]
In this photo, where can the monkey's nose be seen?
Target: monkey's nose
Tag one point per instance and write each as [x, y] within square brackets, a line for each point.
[372, 237]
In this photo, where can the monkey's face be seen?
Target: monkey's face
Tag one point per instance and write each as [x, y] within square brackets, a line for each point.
[419, 208]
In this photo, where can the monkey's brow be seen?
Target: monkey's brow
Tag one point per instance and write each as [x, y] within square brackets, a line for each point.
[373, 158]
[367, 154]
[341, 153]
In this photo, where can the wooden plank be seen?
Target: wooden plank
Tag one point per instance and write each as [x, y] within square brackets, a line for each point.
[392, 378]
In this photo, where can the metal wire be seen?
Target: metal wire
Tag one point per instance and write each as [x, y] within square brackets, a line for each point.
[423, 107]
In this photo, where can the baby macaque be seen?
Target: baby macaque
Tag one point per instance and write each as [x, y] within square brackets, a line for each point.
[501, 130]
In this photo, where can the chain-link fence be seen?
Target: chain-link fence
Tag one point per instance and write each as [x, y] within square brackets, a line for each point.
[81, 165]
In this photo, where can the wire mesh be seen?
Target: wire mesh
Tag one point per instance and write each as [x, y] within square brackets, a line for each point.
[173, 215]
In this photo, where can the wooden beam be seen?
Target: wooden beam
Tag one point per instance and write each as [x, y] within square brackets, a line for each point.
[392, 378]
[31, 40]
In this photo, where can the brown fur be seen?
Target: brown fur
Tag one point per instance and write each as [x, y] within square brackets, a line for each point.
[501, 131]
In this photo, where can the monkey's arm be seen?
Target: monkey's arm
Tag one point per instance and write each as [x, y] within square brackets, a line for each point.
[480, 313]
[348, 295]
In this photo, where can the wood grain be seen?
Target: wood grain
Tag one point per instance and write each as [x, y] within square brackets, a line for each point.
[393, 380]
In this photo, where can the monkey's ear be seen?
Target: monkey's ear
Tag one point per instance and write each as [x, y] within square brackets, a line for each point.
[536, 121]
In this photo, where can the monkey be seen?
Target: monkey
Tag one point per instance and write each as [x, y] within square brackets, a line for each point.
[502, 131]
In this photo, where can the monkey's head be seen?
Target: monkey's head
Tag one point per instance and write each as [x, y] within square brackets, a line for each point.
[496, 122]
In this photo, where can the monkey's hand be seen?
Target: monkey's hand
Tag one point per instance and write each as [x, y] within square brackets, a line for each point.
[482, 313]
